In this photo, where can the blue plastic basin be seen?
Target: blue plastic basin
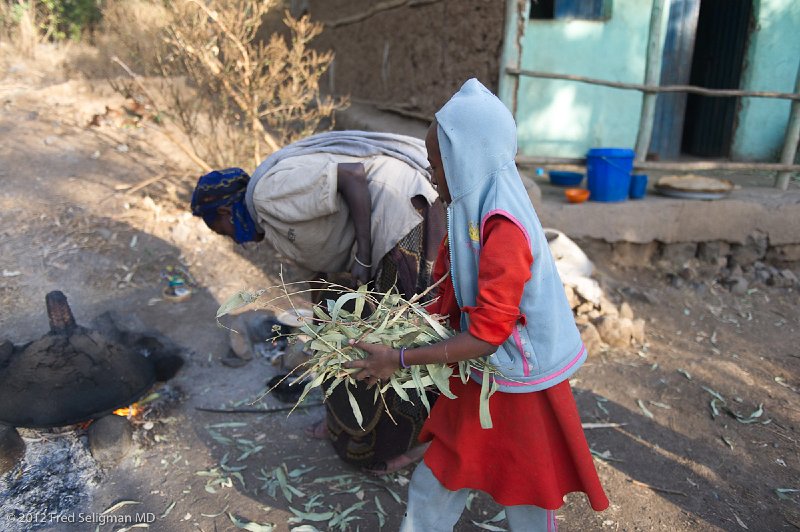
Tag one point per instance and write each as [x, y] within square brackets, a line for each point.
[565, 179]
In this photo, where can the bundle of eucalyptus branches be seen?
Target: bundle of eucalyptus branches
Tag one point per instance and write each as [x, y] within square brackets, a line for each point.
[377, 318]
[390, 320]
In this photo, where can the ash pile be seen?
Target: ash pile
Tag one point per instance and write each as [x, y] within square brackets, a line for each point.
[56, 475]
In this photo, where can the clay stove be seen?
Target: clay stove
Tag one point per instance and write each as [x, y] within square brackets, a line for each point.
[71, 374]
[70, 377]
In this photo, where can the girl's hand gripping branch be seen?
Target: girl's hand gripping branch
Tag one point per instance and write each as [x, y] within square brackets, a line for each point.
[381, 362]
[384, 360]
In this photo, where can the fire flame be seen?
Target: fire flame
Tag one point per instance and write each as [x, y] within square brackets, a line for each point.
[129, 412]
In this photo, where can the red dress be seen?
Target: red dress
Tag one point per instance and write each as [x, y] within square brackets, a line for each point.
[536, 451]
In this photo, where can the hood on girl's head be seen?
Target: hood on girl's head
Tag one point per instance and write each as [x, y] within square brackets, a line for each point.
[477, 136]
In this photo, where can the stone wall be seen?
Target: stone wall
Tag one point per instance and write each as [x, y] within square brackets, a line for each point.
[412, 57]
[735, 266]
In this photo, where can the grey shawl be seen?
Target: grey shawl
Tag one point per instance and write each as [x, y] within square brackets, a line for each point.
[353, 143]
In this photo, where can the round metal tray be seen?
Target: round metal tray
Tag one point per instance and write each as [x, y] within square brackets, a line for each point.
[691, 194]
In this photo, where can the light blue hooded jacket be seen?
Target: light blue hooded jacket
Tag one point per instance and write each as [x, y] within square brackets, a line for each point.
[478, 142]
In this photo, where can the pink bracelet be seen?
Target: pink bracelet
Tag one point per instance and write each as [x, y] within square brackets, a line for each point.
[402, 358]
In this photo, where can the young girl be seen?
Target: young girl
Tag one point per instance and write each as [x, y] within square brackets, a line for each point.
[506, 299]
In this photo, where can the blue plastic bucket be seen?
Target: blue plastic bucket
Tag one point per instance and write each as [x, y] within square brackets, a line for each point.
[608, 172]
[638, 186]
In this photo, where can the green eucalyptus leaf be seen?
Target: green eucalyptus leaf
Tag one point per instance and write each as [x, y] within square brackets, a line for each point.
[356, 409]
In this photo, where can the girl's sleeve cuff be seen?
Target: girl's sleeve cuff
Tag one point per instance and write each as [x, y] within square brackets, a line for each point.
[491, 325]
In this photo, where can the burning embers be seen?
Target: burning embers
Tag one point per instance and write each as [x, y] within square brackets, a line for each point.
[129, 411]
[73, 377]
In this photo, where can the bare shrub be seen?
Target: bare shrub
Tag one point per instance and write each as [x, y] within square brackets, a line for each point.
[235, 96]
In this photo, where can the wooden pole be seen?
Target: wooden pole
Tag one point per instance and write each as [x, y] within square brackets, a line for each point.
[792, 138]
[715, 165]
[656, 89]
[651, 77]
[511, 56]
[688, 166]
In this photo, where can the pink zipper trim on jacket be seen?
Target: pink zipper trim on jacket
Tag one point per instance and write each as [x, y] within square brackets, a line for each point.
[526, 369]
[545, 379]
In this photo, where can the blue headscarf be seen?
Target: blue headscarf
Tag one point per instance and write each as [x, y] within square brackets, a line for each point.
[225, 188]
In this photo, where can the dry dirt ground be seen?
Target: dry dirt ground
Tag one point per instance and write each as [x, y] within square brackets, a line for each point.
[73, 217]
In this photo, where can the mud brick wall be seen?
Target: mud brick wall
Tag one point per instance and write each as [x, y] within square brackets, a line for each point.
[412, 57]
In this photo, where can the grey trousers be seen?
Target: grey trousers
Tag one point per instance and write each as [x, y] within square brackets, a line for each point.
[434, 508]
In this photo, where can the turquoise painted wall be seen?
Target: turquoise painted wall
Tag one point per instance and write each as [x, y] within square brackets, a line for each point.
[772, 60]
[565, 119]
